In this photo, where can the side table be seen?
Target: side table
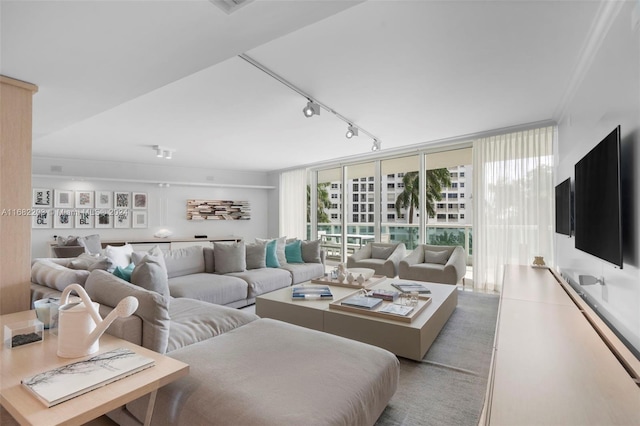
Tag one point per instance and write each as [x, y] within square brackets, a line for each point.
[24, 361]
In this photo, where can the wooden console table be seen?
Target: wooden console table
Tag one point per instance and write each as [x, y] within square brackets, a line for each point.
[555, 362]
[24, 361]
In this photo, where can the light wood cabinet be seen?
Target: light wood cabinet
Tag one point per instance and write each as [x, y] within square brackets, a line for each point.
[554, 361]
[15, 193]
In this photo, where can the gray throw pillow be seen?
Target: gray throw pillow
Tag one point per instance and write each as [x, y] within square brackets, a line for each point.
[311, 251]
[229, 257]
[91, 243]
[71, 240]
[150, 274]
[137, 256]
[440, 257]
[381, 252]
[256, 256]
[91, 262]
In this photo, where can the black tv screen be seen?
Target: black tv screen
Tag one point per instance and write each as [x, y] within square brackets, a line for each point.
[598, 217]
[564, 208]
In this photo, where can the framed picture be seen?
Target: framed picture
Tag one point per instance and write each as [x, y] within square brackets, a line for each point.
[84, 199]
[41, 218]
[139, 219]
[122, 219]
[63, 199]
[139, 200]
[84, 218]
[103, 218]
[63, 218]
[42, 197]
[122, 200]
[104, 199]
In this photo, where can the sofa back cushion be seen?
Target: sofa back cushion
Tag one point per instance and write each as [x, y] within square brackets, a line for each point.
[53, 275]
[382, 250]
[209, 260]
[184, 261]
[311, 251]
[229, 257]
[153, 308]
[151, 274]
[256, 255]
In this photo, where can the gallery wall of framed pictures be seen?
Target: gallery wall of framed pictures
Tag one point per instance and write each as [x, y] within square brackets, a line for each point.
[81, 209]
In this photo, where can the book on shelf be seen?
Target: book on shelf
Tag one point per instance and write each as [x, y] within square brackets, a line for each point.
[395, 309]
[68, 381]
[389, 295]
[311, 292]
[409, 287]
[363, 302]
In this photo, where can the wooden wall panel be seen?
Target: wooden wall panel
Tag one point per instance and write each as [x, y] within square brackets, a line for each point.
[15, 193]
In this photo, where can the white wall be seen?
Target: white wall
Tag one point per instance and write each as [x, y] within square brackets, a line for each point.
[608, 95]
[166, 206]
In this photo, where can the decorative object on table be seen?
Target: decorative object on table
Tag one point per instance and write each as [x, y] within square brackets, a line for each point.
[63, 383]
[218, 210]
[80, 324]
[341, 277]
[43, 310]
[538, 261]
[342, 268]
[165, 233]
[341, 281]
[350, 278]
[367, 273]
[23, 333]
[360, 279]
[409, 287]
[306, 292]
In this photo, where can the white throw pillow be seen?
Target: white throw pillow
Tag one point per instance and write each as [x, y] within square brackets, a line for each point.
[119, 255]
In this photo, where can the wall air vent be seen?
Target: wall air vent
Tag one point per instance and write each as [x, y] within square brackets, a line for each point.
[230, 6]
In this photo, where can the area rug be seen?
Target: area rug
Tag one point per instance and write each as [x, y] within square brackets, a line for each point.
[448, 386]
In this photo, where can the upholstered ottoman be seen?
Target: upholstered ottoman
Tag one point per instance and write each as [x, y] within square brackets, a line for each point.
[272, 373]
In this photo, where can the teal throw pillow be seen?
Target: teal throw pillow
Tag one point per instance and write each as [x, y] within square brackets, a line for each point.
[124, 273]
[272, 255]
[293, 252]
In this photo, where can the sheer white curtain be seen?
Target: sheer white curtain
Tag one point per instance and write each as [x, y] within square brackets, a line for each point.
[513, 203]
[293, 204]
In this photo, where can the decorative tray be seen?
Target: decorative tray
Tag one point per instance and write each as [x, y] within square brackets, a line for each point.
[376, 279]
[423, 302]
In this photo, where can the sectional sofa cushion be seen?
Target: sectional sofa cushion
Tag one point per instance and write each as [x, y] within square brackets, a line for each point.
[193, 321]
[271, 373]
[281, 243]
[151, 274]
[271, 255]
[264, 280]
[301, 272]
[229, 257]
[256, 255]
[54, 275]
[184, 261]
[137, 256]
[153, 308]
[212, 288]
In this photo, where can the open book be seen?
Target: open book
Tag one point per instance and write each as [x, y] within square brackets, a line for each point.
[68, 381]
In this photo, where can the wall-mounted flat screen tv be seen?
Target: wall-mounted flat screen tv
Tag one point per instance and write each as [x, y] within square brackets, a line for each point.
[598, 216]
[564, 208]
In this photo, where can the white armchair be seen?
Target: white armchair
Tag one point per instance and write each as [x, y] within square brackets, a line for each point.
[437, 264]
[381, 257]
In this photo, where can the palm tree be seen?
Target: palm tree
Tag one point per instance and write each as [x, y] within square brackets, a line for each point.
[324, 202]
[409, 198]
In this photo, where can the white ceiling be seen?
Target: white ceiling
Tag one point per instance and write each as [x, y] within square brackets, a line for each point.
[116, 78]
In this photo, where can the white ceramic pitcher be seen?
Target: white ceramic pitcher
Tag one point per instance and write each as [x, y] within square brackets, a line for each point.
[80, 325]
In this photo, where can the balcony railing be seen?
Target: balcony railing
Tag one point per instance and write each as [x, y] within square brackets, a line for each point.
[443, 234]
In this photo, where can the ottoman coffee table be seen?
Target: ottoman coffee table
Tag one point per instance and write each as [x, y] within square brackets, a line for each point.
[406, 339]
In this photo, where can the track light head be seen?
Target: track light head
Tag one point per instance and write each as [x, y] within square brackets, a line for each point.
[311, 109]
[376, 145]
[158, 151]
[168, 154]
[351, 131]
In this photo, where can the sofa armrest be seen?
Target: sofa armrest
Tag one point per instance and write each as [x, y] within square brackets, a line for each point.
[398, 254]
[416, 256]
[457, 263]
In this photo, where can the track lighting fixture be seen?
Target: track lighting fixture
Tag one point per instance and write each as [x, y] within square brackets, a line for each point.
[162, 152]
[313, 106]
[311, 109]
[351, 131]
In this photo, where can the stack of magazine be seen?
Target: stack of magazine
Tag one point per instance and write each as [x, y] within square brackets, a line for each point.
[363, 302]
[410, 287]
[311, 293]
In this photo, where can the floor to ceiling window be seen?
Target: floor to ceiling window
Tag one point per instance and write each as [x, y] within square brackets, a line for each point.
[400, 201]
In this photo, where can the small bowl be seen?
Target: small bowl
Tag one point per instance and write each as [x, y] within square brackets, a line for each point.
[367, 273]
